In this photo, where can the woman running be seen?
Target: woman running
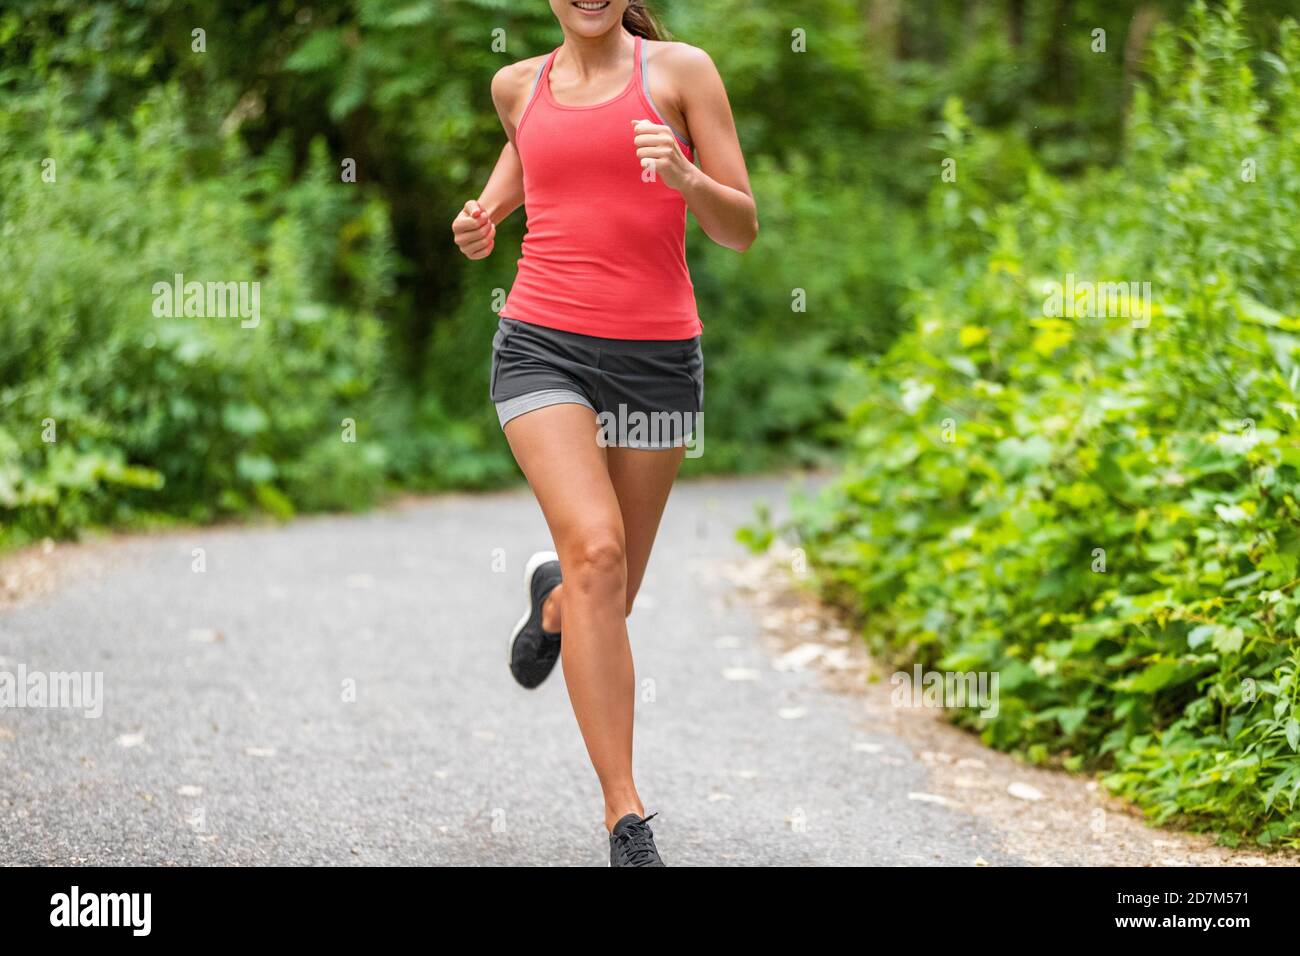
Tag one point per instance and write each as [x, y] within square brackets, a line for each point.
[597, 373]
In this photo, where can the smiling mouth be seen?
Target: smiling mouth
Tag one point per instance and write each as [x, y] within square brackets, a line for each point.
[589, 7]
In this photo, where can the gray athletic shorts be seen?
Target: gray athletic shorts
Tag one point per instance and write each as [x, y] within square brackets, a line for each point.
[645, 393]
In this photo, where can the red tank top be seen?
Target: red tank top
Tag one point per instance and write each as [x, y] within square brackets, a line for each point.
[605, 252]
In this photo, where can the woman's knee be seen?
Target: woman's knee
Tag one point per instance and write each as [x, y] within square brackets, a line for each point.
[598, 560]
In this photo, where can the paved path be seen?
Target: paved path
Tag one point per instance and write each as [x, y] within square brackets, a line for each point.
[225, 736]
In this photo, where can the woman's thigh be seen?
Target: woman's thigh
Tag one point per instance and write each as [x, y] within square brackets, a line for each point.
[642, 480]
[557, 450]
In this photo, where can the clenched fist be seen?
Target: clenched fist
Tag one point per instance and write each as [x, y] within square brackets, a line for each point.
[474, 231]
[657, 148]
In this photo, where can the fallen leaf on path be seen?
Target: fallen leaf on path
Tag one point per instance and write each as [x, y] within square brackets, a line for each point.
[929, 798]
[798, 658]
[1024, 791]
[838, 659]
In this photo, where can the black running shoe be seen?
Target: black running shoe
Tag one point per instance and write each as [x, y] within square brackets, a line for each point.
[632, 844]
[533, 652]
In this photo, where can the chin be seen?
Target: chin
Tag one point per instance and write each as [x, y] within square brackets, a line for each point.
[586, 28]
[591, 26]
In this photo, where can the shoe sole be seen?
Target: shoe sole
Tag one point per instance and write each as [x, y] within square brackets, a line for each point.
[535, 562]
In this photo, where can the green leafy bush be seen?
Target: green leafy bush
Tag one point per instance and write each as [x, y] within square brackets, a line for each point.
[1103, 508]
[109, 410]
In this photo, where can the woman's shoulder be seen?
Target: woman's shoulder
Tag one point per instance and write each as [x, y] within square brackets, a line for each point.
[678, 59]
[514, 82]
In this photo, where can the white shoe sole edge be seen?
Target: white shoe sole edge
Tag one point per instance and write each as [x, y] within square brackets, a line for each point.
[535, 562]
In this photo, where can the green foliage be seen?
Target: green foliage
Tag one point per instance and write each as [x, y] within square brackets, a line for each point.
[1102, 509]
[107, 408]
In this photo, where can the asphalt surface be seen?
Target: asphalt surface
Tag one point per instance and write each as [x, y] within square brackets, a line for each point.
[334, 692]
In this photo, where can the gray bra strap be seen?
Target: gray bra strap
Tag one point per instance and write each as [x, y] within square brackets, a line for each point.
[645, 87]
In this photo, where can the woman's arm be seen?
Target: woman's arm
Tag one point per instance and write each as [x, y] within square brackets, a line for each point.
[511, 86]
[504, 192]
[475, 227]
[717, 191]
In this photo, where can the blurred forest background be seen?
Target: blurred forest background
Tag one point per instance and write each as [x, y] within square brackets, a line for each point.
[1104, 514]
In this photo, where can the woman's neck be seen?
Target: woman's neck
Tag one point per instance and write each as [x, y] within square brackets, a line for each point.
[593, 56]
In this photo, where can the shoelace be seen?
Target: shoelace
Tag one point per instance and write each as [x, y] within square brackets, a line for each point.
[638, 842]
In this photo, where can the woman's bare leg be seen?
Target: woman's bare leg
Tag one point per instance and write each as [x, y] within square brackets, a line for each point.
[642, 480]
[557, 450]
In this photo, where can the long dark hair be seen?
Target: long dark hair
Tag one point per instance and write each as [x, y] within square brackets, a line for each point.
[639, 21]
